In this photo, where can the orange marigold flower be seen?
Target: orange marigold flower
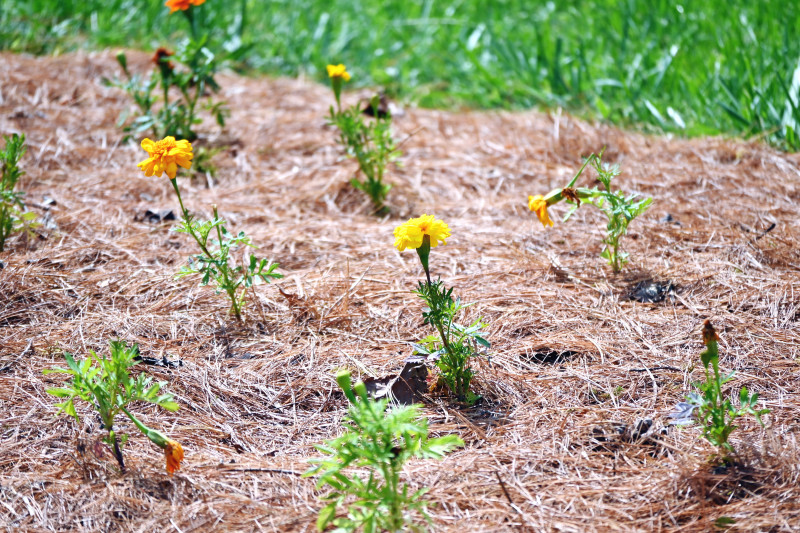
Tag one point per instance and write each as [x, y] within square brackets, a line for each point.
[181, 5]
[165, 156]
[174, 454]
[538, 205]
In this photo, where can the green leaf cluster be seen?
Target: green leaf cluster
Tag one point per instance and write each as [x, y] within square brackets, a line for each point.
[189, 74]
[454, 345]
[715, 412]
[107, 385]
[13, 216]
[619, 208]
[214, 263]
[370, 142]
[362, 467]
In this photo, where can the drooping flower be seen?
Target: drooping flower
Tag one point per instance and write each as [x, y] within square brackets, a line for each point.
[174, 454]
[538, 205]
[181, 5]
[165, 156]
[164, 65]
[709, 333]
[338, 71]
[411, 234]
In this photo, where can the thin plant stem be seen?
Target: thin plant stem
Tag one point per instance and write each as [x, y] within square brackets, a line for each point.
[204, 249]
[118, 453]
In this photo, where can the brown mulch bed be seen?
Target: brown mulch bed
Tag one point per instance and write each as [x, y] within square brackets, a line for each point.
[575, 363]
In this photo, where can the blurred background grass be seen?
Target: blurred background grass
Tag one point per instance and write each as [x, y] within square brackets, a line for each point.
[696, 67]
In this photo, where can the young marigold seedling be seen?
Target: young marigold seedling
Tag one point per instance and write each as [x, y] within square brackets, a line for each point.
[715, 412]
[453, 345]
[213, 264]
[13, 216]
[362, 467]
[370, 142]
[106, 384]
[615, 205]
[187, 74]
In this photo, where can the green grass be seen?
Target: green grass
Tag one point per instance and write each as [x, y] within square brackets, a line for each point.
[708, 67]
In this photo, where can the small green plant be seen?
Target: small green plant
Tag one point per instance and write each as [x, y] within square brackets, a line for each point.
[620, 209]
[187, 75]
[362, 467]
[13, 216]
[213, 263]
[107, 385]
[453, 346]
[370, 142]
[716, 413]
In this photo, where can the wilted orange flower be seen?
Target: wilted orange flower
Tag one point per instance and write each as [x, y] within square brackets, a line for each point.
[161, 54]
[411, 234]
[709, 333]
[338, 71]
[165, 156]
[174, 454]
[538, 205]
[181, 5]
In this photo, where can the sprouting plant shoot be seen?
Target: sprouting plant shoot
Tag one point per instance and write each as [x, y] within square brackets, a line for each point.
[715, 412]
[13, 216]
[620, 209]
[452, 346]
[107, 385]
[370, 142]
[217, 245]
[183, 78]
[362, 467]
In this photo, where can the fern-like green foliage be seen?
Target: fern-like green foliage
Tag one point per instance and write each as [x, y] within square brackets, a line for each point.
[715, 412]
[106, 384]
[13, 216]
[362, 467]
[370, 142]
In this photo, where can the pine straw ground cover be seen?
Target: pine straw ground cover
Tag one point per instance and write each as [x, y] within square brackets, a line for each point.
[574, 363]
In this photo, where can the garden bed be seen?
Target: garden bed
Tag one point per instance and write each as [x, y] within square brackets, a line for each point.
[575, 360]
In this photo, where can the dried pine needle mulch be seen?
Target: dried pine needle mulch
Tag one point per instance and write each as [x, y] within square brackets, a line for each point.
[574, 363]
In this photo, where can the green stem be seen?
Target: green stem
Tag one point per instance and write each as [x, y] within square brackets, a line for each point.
[117, 451]
[205, 250]
[229, 288]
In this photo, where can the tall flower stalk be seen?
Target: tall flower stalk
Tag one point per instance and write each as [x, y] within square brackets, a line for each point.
[453, 346]
[370, 142]
[618, 208]
[213, 264]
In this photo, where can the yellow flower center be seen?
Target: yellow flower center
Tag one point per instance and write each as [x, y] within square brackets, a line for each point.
[163, 146]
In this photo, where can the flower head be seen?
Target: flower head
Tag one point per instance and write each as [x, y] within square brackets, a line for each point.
[338, 71]
[709, 333]
[174, 454]
[161, 61]
[161, 55]
[411, 234]
[181, 5]
[165, 156]
[538, 205]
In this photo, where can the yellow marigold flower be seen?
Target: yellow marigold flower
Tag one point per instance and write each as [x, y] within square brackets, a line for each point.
[181, 5]
[174, 454]
[165, 156]
[338, 71]
[538, 205]
[410, 234]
